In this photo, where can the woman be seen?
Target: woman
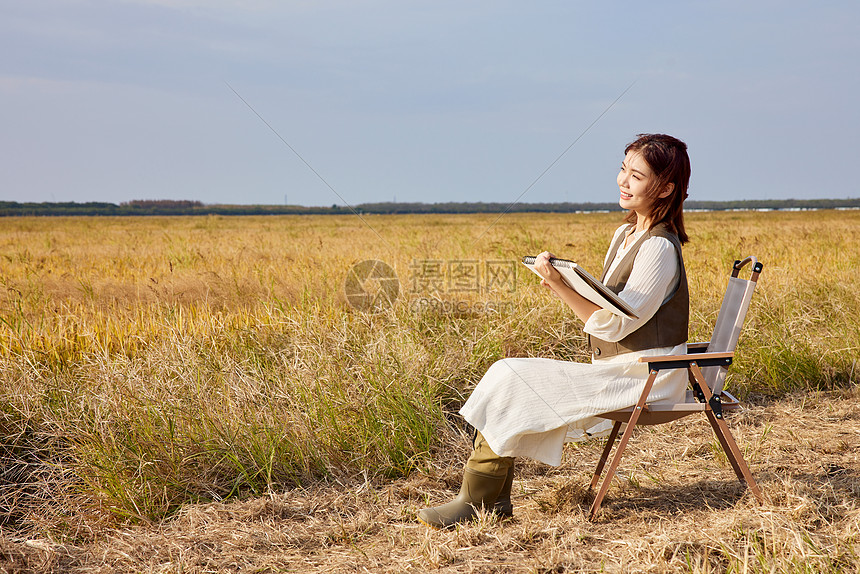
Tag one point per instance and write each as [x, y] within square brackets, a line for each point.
[531, 407]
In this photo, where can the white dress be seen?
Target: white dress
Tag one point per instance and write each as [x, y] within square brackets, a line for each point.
[531, 407]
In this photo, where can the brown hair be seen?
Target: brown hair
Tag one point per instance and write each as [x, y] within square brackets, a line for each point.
[667, 157]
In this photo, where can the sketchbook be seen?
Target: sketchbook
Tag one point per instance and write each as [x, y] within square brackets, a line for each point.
[583, 283]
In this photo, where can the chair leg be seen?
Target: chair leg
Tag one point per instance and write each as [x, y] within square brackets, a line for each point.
[605, 456]
[724, 435]
[625, 438]
[604, 486]
[733, 453]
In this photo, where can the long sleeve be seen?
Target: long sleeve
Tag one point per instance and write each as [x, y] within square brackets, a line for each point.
[654, 276]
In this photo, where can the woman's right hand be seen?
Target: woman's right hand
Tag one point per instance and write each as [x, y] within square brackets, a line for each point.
[549, 274]
[552, 280]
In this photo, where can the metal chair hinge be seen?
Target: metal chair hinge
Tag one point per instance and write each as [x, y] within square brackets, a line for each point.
[716, 406]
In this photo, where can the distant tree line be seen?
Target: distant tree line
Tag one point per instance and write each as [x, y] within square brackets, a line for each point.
[186, 207]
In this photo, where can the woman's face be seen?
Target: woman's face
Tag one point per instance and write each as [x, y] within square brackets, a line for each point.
[633, 182]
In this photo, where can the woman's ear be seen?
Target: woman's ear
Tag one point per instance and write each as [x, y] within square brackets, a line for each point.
[670, 187]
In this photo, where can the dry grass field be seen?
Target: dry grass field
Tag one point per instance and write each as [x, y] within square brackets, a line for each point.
[201, 395]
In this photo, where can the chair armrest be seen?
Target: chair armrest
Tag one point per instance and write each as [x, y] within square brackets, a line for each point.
[683, 361]
[690, 358]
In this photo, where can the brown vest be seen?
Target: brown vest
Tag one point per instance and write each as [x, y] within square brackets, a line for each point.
[668, 327]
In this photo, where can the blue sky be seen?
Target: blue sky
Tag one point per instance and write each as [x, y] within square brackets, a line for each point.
[421, 101]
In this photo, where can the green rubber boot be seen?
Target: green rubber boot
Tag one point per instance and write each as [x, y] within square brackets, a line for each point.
[479, 491]
[503, 506]
[486, 485]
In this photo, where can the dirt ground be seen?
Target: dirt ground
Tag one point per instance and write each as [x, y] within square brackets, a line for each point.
[675, 506]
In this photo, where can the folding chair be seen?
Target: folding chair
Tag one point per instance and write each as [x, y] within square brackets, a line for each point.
[707, 365]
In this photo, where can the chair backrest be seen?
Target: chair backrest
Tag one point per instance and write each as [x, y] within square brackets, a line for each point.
[733, 311]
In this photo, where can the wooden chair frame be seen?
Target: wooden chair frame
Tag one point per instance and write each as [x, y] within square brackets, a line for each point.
[702, 397]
